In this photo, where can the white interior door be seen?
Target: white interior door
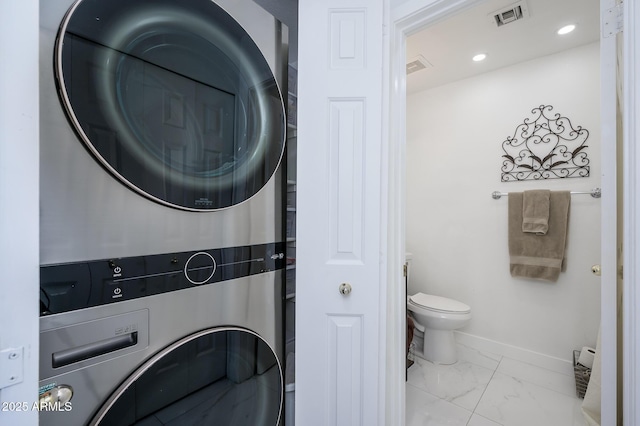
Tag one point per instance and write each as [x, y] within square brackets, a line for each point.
[339, 337]
[19, 213]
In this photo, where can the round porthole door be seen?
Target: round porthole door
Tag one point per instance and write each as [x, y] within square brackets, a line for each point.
[173, 98]
[217, 377]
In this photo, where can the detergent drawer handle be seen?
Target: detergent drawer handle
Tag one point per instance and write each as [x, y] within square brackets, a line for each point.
[80, 353]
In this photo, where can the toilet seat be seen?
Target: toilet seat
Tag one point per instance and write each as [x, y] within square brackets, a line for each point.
[439, 304]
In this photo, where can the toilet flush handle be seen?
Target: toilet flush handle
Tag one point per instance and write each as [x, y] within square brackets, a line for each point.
[344, 289]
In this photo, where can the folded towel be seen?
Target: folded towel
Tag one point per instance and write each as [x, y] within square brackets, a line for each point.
[538, 256]
[535, 211]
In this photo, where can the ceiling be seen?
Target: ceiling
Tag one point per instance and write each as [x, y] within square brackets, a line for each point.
[449, 45]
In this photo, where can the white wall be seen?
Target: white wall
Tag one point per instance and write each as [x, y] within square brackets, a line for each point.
[457, 232]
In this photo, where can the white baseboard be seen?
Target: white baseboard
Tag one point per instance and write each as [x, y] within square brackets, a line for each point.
[481, 344]
[492, 347]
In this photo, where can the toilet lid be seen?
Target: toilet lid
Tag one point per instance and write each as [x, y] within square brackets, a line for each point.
[437, 303]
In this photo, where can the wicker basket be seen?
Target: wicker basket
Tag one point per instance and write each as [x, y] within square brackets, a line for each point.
[582, 374]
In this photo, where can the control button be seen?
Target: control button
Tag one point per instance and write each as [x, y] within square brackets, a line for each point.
[200, 268]
[115, 292]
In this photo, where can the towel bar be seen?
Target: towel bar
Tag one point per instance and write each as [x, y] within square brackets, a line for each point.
[595, 193]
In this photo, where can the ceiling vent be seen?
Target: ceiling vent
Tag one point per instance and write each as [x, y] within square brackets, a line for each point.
[510, 14]
[418, 63]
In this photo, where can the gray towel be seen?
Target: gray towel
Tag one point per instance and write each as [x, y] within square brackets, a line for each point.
[538, 256]
[535, 211]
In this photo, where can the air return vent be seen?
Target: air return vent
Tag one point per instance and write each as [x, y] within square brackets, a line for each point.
[510, 14]
[418, 63]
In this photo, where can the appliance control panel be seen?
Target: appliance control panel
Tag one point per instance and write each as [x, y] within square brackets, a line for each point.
[71, 286]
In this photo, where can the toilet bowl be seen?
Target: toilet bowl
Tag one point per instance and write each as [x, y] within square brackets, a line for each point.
[438, 317]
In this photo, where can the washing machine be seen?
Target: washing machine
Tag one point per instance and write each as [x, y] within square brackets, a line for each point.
[187, 338]
[162, 237]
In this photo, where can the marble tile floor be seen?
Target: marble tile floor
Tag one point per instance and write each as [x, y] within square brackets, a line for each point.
[489, 390]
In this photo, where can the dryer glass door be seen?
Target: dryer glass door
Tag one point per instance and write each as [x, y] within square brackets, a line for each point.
[173, 98]
[220, 376]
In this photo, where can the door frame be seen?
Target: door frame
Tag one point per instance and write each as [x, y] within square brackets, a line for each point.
[411, 16]
[610, 344]
[631, 213]
[406, 18]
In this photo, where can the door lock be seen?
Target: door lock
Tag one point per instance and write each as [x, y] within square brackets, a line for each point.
[595, 269]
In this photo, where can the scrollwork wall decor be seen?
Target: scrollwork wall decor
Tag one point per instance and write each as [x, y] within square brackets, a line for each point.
[545, 146]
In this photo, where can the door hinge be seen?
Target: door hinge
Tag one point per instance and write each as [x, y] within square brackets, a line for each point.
[620, 272]
[404, 270]
[11, 366]
[612, 21]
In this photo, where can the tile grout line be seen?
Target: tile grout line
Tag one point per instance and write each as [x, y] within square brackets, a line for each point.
[485, 390]
[550, 388]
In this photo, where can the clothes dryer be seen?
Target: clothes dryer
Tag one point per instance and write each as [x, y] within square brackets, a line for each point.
[162, 127]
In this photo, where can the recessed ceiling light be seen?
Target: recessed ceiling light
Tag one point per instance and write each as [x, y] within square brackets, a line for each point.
[566, 29]
[479, 57]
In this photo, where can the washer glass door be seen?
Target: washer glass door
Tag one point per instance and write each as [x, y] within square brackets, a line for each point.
[173, 98]
[221, 376]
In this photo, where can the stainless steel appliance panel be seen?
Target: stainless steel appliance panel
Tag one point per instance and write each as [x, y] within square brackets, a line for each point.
[253, 303]
[87, 214]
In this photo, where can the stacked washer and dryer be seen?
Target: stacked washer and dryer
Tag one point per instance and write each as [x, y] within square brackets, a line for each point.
[162, 239]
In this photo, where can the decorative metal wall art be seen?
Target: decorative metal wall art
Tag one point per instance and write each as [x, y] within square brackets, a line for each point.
[545, 146]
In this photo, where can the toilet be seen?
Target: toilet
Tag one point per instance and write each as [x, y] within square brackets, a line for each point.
[437, 317]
